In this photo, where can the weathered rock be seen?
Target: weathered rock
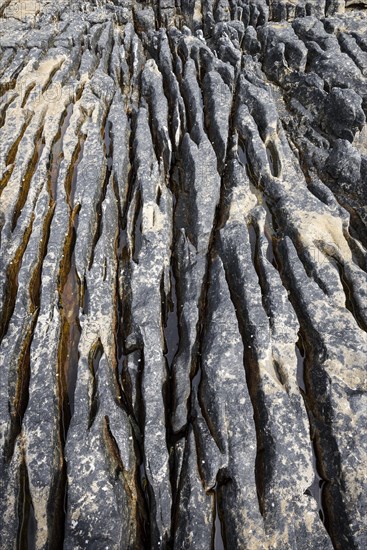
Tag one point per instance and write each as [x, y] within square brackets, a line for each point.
[183, 274]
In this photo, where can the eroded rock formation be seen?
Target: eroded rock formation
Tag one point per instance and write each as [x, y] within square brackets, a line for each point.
[183, 280]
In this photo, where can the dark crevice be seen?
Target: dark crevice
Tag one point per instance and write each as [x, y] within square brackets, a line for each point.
[27, 93]
[170, 321]
[270, 250]
[311, 263]
[12, 153]
[47, 85]
[138, 423]
[69, 304]
[71, 177]
[94, 359]
[4, 108]
[281, 374]
[241, 153]
[68, 356]
[120, 356]
[316, 488]
[122, 257]
[156, 138]
[113, 446]
[359, 255]
[3, 10]
[350, 302]
[265, 447]
[27, 526]
[19, 406]
[218, 529]
[356, 6]
[108, 151]
[36, 277]
[55, 507]
[26, 181]
[137, 223]
[11, 287]
[57, 151]
[300, 354]
[273, 159]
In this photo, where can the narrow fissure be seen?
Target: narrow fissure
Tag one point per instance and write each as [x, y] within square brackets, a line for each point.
[170, 321]
[69, 305]
[350, 303]
[300, 354]
[316, 488]
[218, 537]
[36, 277]
[11, 288]
[57, 152]
[26, 181]
[21, 398]
[11, 156]
[108, 151]
[71, 178]
[138, 221]
[27, 526]
[94, 360]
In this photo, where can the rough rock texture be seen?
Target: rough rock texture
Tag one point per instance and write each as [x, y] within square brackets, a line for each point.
[183, 282]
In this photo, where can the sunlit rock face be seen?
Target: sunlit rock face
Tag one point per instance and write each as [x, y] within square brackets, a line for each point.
[183, 278]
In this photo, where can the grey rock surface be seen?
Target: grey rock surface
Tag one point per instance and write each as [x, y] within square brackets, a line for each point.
[183, 274]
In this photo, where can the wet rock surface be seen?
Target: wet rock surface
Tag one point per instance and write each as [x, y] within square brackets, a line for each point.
[183, 280]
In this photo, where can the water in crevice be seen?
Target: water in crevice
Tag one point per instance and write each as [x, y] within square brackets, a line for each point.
[300, 354]
[316, 488]
[27, 528]
[218, 539]
[70, 298]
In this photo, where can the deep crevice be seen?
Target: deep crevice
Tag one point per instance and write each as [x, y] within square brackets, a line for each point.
[26, 181]
[11, 287]
[93, 360]
[27, 526]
